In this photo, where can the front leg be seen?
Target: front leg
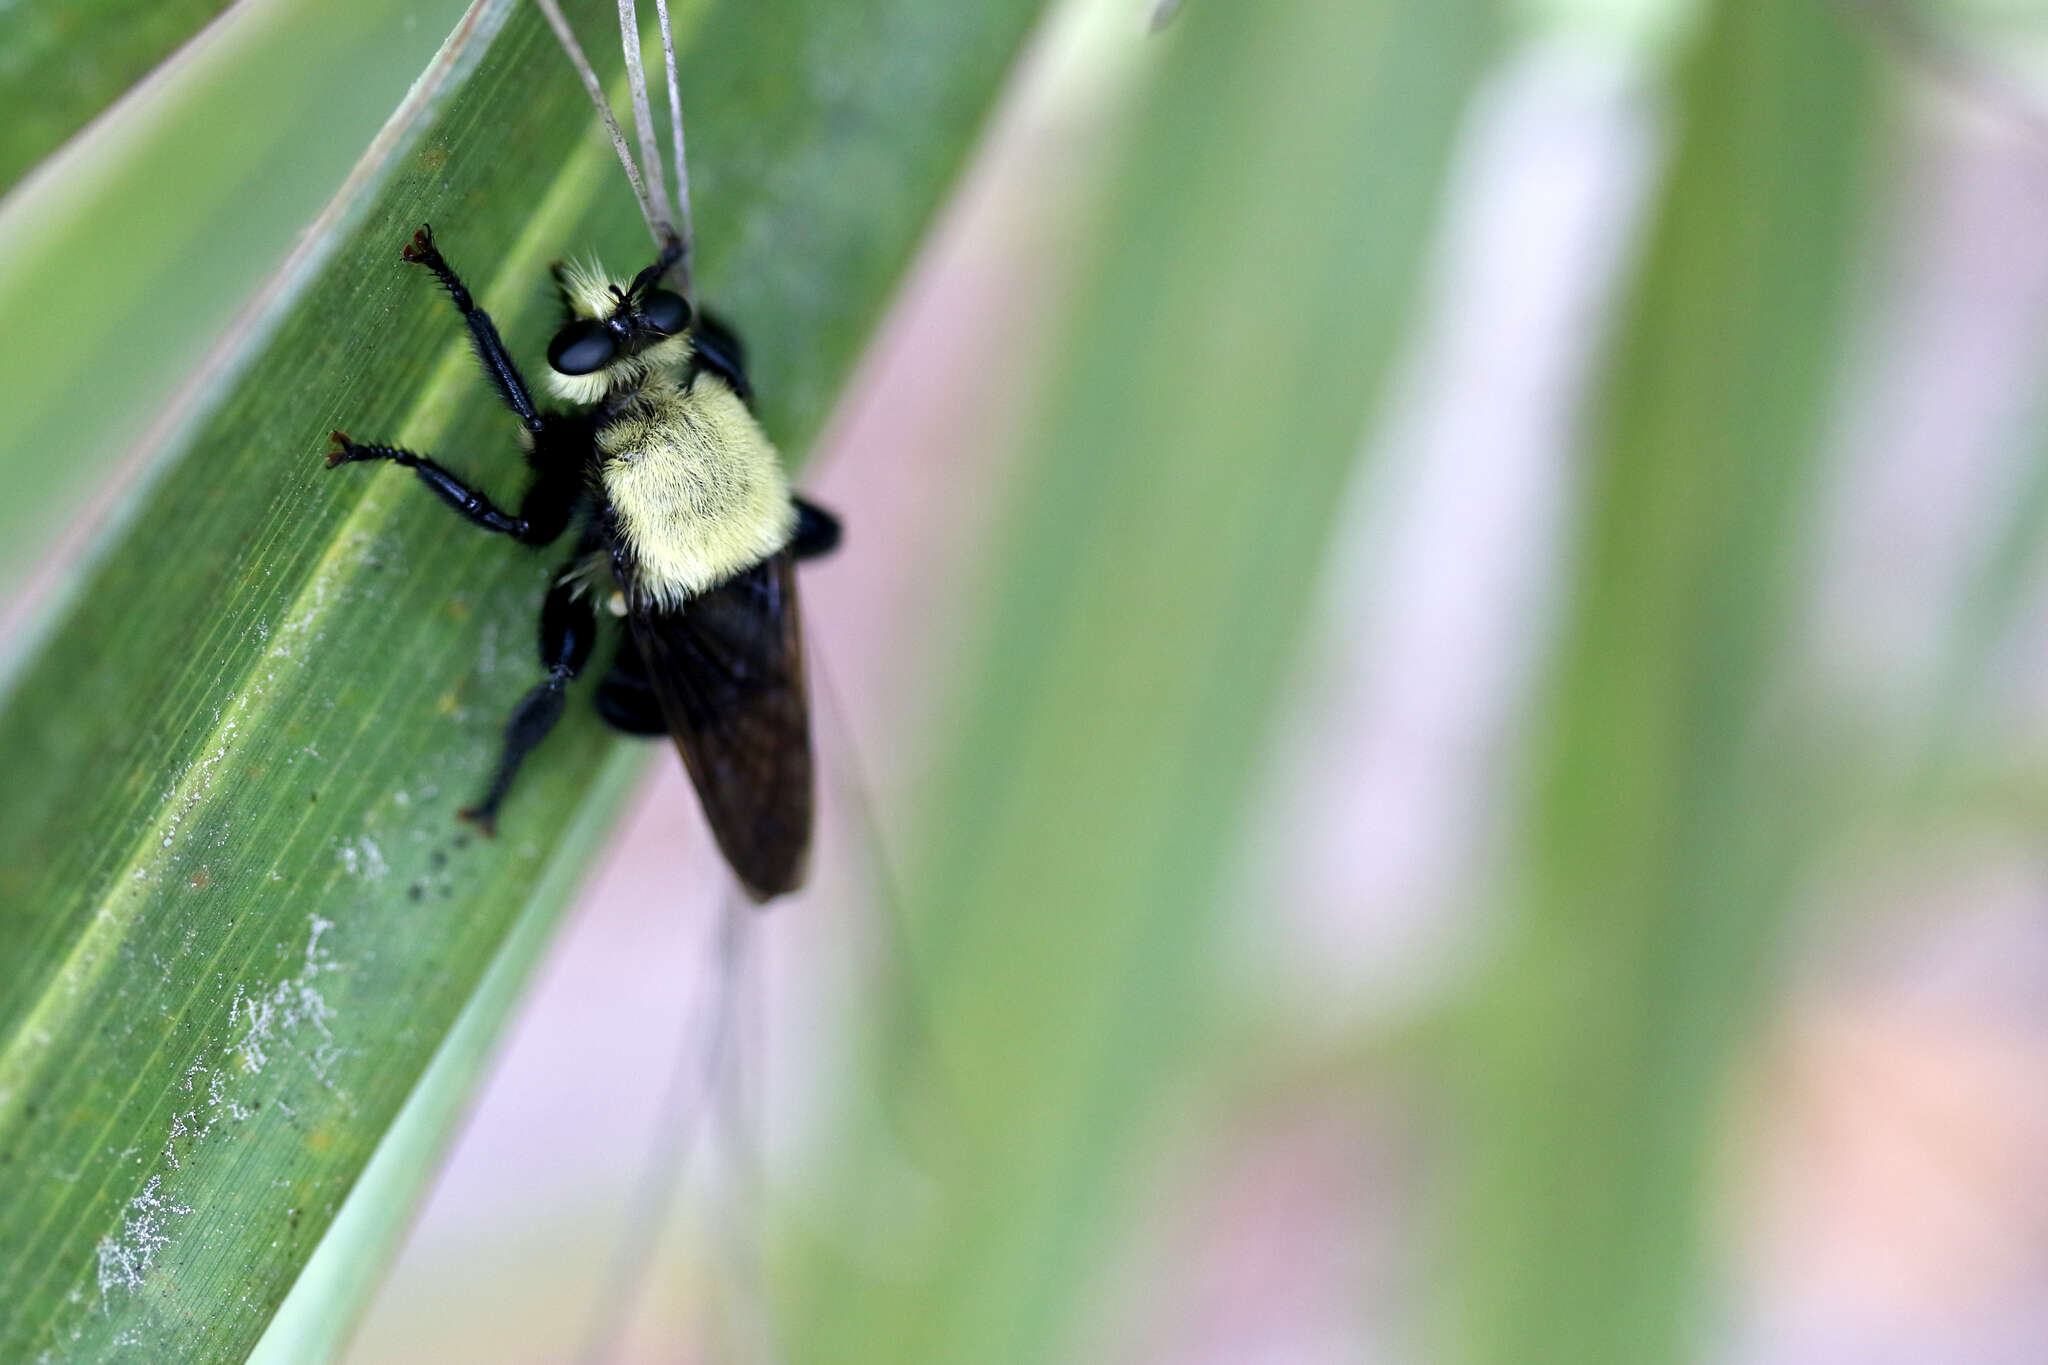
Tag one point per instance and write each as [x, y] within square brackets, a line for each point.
[490, 347]
[471, 504]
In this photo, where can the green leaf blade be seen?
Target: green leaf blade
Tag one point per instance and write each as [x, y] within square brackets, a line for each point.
[239, 913]
[150, 237]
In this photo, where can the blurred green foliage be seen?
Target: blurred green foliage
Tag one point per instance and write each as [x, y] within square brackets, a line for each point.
[1666, 791]
[1255, 272]
[63, 61]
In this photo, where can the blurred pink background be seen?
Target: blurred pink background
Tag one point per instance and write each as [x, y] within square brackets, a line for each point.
[1886, 1169]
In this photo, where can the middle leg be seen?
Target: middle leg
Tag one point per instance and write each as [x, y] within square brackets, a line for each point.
[545, 511]
[474, 506]
[817, 531]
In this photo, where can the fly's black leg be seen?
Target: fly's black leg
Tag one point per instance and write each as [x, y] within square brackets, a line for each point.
[550, 503]
[717, 348]
[490, 347]
[557, 446]
[817, 531]
[625, 699]
[671, 251]
[568, 628]
[473, 505]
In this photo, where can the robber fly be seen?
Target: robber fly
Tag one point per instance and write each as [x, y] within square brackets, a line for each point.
[684, 526]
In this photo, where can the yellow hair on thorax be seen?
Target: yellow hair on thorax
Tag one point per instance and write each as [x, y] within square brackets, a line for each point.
[699, 490]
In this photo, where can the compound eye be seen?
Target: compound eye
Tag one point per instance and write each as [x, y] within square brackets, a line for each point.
[582, 348]
[664, 312]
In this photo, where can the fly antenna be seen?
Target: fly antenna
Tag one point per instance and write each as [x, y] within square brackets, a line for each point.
[643, 120]
[684, 226]
[657, 219]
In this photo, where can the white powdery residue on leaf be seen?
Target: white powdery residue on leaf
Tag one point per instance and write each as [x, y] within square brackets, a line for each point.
[195, 782]
[364, 859]
[291, 1016]
[180, 1128]
[125, 1256]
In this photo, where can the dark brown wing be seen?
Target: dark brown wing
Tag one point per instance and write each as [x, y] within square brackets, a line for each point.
[728, 669]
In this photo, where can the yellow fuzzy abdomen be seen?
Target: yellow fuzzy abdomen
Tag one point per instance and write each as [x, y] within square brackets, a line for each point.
[699, 490]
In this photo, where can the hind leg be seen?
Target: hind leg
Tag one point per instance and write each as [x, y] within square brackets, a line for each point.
[568, 627]
[625, 699]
